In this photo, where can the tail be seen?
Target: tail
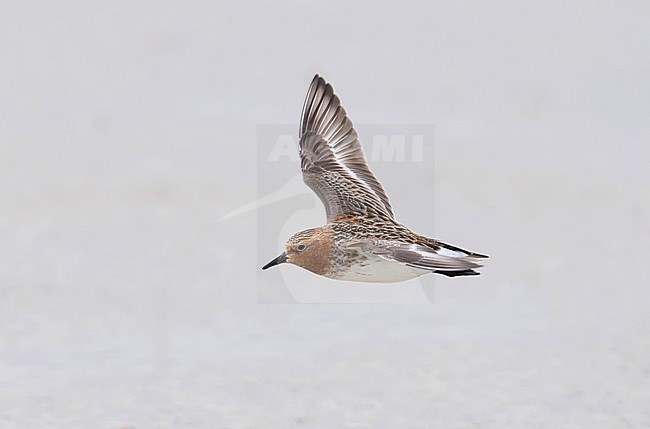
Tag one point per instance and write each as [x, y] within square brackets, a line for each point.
[458, 273]
[476, 258]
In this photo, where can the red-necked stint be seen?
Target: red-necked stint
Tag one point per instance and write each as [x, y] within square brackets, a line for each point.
[361, 241]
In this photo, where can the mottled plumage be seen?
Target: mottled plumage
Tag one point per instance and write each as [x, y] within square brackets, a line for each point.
[361, 241]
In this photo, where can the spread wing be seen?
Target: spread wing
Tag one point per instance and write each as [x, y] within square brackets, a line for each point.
[332, 162]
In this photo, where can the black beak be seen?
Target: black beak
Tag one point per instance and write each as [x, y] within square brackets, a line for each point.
[279, 260]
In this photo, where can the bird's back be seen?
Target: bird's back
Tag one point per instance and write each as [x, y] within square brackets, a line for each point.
[371, 247]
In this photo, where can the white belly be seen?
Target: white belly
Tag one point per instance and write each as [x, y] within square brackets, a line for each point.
[377, 270]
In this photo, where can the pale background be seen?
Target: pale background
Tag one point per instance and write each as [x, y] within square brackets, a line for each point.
[128, 128]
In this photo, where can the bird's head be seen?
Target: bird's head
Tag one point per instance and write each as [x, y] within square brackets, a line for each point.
[310, 249]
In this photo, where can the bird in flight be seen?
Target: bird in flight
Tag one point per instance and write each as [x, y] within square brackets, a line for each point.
[362, 241]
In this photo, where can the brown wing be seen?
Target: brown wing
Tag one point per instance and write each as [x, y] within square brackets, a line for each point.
[332, 161]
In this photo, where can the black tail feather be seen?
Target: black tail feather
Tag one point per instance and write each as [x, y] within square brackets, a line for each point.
[458, 273]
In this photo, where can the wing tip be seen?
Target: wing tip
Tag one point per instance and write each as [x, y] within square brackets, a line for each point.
[318, 89]
[466, 253]
[318, 80]
[474, 255]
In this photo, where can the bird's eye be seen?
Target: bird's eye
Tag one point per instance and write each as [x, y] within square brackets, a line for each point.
[300, 247]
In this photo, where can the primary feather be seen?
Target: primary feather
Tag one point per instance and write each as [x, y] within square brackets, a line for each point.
[332, 161]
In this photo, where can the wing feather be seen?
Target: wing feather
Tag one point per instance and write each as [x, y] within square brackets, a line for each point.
[424, 257]
[332, 161]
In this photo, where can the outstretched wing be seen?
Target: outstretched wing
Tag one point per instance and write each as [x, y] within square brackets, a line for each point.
[332, 161]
